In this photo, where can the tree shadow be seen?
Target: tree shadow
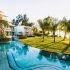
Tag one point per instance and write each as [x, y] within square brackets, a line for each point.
[65, 49]
[51, 43]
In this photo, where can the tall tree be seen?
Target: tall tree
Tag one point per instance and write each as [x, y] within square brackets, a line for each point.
[63, 24]
[42, 25]
[68, 30]
[13, 22]
[18, 19]
[30, 24]
[25, 20]
[47, 22]
[53, 26]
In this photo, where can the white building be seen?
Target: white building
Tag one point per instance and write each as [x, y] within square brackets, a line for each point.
[8, 28]
[23, 30]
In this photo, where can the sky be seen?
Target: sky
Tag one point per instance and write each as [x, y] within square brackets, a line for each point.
[36, 9]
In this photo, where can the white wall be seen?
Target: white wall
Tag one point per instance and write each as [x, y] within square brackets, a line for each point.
[23, 30]
[19, 29]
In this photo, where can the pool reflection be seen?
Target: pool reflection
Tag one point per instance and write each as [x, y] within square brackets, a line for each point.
[26, 56]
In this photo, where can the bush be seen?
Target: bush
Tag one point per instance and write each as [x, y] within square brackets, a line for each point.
[4, 39]
[38, 34]
[22, 37]
[31, 36]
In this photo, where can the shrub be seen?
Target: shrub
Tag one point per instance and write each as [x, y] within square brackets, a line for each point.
[22, 37]
[4, 39]
[38, 34]
[31, 36]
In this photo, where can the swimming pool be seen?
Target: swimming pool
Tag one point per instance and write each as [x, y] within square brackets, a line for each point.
[23, 57]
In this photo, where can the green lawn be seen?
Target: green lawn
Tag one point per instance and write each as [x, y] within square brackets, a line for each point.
[59, 46]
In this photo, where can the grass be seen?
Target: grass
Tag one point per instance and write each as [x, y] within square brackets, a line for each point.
[59, 46]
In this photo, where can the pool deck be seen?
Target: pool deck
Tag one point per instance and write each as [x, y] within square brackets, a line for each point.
[3, 61]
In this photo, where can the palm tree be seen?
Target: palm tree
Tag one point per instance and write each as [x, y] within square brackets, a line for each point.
[68, 29]
[30, 24]
[18, 19]
[42, 25]
[47, 22]
[53, 26]
[63, 25]
[25, 20]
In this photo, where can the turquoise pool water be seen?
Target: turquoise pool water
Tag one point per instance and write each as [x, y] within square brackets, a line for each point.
[23, 57]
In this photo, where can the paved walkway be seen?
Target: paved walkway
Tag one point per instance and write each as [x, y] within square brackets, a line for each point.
[46, 68]
[3, 61]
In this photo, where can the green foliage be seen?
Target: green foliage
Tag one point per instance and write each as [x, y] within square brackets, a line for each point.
[63, 24]
[1, 35]
[49, 21]
[68, 26]
[35, 30]
[42, 25]
[22, 37]
[3, 23]
[25, 20]
[4, 39]
[30, 24]
[52, 25]
[17, 20]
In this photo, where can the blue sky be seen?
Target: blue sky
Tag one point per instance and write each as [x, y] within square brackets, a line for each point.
[36, 9]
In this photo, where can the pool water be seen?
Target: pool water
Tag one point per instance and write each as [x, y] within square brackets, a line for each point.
[23, 57]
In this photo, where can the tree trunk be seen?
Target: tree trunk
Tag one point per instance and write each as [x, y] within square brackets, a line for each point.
[48, 32]
[64, 36]
[43, 35]
[54, 34]
[69, 41]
